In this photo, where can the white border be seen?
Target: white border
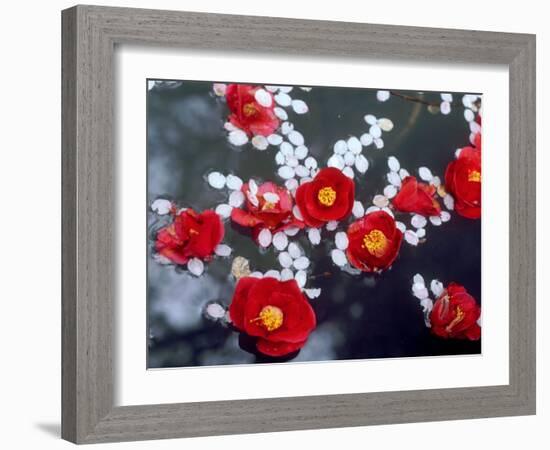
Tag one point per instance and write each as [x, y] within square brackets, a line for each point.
[135, 385]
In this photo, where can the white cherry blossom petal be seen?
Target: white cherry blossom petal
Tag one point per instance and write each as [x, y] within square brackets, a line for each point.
[435, 220]
[219, 89]
[286, 149]
[332, 225]
[236, 199]
[449, 202]
[366, 139]
[385, 124]
[301, 171]
[446, 97]
[436, 287]
[401, 226]
[419, 279]
[271, 197]
[237, 137]
[421, 293]
[222, 250]
[294, 250]
[292, 231]
[161, 206]
[280, 113]
[286, 128]
[299, 106]
[349, 159]
[229, 126]
[223, 210]
[195, 266]
[275, 139]
[435, 181]
[292, 161]
[264, 238]
[348, 172]
[215, 311]
[393, 164]
[375, 131]
[338, 257]
[216, 180]
[411, 237]
[286, 274]
[280, 158]
[403, 173]
[336, 161]
[256, 275]
[354, 145]
[388, 211]
[421, 233]
[425, 173]
[394, 178]
[380, 200]
[285, 260]
[341, 240]
[286, 172]
[358, 209]
[382, 96]
[233, 182]
[445, 108]
[418, 221]
[283, 99]
[379, 143]
[297, 213]
[301, 152]
[296, 138]
[314, 236]
[370, 119]
[310, 162]
[301, 278]
[445, 216]
[390, 191]
[280, 241]
[263, 98]
[371, 209]
[340, 147]
[313, 293]
[469, 115]
[273, 274]
[291, 184]
[361, 164]
[301, 263]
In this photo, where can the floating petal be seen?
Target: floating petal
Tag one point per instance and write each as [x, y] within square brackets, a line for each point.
[341, 240]
[338, 257]
[195, 266]
[161, 206]
[223, 250]
[264, 238]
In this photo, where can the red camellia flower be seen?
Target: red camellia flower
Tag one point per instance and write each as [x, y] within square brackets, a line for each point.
[267, 206]
[455, 314]
[374, 242]
[276, 312]
[463, 180]
[417, 197]
[247, 114]
[329, 196]
[191, 235]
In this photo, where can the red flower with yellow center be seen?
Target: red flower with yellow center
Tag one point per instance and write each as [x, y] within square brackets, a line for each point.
[374, 242]
[247, 114]
[191, 235]
[275, 312]
[270, 207]
[455, 314]
[417, 197]
[329, 196]
[463, 180]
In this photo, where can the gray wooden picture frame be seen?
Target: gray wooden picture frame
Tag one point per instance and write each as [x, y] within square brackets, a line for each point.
[90, 34]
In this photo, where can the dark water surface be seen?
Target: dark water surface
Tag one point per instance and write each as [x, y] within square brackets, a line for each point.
[358, 316]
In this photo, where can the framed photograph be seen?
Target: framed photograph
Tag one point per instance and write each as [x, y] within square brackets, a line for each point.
[276, 230]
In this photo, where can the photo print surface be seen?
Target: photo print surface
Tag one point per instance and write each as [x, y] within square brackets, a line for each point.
[296, 223]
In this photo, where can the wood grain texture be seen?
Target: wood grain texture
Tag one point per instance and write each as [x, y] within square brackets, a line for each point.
[89, 36]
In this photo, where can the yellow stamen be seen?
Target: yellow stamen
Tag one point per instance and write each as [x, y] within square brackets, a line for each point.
[375, 242]
[270, 318]
[459, 317]
[268, 205]
[326, 196]
[249, 109]
[475, 176]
